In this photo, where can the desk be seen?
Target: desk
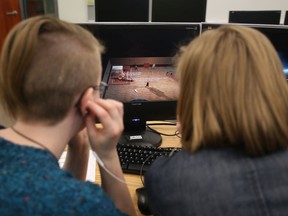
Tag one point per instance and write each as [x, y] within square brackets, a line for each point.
[134, 181]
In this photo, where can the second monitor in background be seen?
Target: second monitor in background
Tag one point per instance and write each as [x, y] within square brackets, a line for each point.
[255, 17]
[122, 11]
[179, 10]
[286, 18]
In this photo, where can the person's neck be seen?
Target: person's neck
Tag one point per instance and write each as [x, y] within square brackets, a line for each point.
[54, 137]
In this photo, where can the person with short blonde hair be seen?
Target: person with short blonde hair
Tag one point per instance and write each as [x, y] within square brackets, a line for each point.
[50, 73]
[233, 120]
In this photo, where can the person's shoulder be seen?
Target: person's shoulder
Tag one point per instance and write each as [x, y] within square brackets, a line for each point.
[176, 164]
[164, 167]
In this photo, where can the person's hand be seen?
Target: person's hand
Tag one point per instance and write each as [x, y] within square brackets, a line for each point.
[103, 139]
[79, 141]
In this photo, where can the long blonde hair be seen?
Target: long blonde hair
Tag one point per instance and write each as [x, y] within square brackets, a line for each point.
[233, 92]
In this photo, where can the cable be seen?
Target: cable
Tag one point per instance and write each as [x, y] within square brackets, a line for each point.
[178, 134]
[156, 131]
[101, 163]
[141, 169]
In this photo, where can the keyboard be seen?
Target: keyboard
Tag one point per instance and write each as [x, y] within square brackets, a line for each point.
[137, 159]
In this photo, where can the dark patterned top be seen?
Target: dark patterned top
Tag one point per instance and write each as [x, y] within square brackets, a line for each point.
[32, 183]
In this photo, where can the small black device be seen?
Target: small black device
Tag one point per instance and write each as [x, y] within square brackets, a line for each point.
[142, 201]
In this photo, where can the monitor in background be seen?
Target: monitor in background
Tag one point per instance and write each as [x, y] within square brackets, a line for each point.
[179, 10]
[139, 70]
[255, 17]
[277, 34]
[286, 18]
[141, 39]
[122, 11]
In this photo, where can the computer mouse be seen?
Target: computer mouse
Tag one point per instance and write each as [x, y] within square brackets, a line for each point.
[142, 201]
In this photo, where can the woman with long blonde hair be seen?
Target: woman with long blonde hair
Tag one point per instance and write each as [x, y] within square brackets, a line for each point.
[233, 117]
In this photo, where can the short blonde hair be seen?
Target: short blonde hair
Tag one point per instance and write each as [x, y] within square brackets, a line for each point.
[45, 63]
[233, 92]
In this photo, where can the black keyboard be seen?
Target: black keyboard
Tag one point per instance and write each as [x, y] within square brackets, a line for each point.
[137, 159]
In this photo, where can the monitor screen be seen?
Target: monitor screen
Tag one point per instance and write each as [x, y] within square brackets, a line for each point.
[286, 18]
[139, 71]
[179, 10]
[141, 79]
[277, 34]
[255, 17]
[122, 11]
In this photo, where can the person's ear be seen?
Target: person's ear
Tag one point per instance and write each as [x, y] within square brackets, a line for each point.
[87, 96]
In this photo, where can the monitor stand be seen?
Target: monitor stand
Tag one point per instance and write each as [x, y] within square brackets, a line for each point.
[138, 134]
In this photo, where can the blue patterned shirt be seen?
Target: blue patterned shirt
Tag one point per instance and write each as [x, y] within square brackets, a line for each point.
[32, 183]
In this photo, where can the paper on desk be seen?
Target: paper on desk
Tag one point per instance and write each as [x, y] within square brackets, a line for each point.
[91, 170]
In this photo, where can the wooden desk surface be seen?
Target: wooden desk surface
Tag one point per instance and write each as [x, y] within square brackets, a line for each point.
[134, 181]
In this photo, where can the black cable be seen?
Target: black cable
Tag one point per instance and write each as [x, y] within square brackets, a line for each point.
[141, 169]
[156, 131]
[178, 134]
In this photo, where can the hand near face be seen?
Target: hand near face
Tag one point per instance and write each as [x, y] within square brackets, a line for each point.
[109, 112]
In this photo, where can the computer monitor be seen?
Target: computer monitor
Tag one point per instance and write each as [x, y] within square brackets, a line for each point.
[138, 67]
[122, 11]
[255, 17]
[277, 34]
[179, 10]
[286, 18]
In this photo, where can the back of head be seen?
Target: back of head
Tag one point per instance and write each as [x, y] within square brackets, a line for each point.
[45, 63]
[233, 92]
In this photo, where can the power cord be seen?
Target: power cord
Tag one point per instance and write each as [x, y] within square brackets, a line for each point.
[141, 169]
[158, 132]
[101, 163]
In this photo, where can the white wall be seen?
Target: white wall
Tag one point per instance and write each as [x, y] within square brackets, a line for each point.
[217, 10]
[73, 10]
